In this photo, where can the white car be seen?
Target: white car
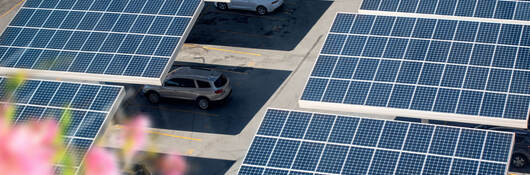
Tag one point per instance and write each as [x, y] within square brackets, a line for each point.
[261, 7]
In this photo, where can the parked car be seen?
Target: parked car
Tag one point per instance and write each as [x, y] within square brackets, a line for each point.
[261, 7]
[521, 148]
[200, 85]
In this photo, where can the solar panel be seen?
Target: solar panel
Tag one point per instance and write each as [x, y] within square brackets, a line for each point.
[124, 41]
[333, 144]
[511, 11]
[89, 104]
[453, 70]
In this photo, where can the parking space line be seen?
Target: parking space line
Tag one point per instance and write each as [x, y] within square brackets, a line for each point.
[232, 51]
[190, 151]
[223, 50]
[171, 135]
[251, 64]
[150, 131]
[12, 8]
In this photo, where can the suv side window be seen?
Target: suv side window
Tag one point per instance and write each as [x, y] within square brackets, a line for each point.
[203, 84]
[181, 82]
[171, 83]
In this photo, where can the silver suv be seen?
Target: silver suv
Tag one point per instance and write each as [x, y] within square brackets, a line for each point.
[201, 85]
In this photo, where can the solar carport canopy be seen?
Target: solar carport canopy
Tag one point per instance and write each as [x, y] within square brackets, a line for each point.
[441, 69]
[125, 41]
[298, 142]
[90, 107]
[506, 11]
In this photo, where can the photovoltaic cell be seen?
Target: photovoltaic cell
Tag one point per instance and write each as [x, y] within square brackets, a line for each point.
[494, 9]
[88, 104]
[126, 38]
[473, 73]
[395, 147]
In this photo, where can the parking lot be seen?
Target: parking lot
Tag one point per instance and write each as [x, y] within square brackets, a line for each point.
[267, 59]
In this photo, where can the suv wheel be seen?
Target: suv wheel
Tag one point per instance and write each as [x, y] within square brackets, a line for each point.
[519, 160]
[203, 103]
[261, 10]
[153, 97]
[222, 6]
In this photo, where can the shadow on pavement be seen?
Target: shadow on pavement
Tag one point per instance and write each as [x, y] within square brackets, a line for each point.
[282, 29]
[206, 166]
[195, 165]
[251, 89]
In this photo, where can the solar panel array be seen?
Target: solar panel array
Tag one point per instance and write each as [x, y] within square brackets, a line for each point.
[294, 142]
[103, 38]
[89, 104]
[496, 9]
[441, 66]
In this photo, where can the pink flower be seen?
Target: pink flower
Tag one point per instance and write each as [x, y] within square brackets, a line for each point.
[173, 165]
[135, 135]
[100, 162]
[28, 149]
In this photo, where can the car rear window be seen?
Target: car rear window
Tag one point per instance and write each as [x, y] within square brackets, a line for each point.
[221, 81]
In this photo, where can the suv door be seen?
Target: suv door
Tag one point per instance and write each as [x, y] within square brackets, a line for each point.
[204, 89]
[180, 88]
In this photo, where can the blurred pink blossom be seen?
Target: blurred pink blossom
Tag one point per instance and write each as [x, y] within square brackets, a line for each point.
[173, 164]
[135, 135]
[27, 149]
[100, 162]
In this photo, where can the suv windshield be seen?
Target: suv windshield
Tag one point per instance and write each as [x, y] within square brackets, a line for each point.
[221, 81]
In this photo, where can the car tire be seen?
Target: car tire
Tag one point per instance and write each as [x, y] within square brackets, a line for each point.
[260, 10]
[519, 160]
[222, 6]
[203, 103]
[153, 97]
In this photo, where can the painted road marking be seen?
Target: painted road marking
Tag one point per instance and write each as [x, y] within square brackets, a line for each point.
[251, 64]
[223, 50]
[11, 9]
[152, 131]
[170, 135]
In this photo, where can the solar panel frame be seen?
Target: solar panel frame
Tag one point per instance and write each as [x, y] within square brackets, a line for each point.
[107, 76]
[319, 103]
[518, 16]
[253, 169]
[50, 111]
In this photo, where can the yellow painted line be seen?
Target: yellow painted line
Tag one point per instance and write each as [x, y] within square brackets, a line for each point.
[232, 51]
[171, 135]
[251, 64]
[164, 134]
[223, 50]
[12, 8]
